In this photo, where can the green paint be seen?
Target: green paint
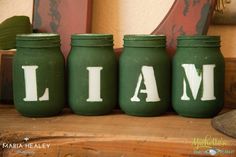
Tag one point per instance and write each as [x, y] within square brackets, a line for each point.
[10, 28]
[92, 51]
[43, 51]
[37, 18]
[175, 30]
[55, 14]
[186, 7]
[200, 27]
[199, 51]
[144, 51]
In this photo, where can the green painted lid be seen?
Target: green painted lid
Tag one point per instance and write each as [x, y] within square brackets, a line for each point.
[37, 40]
[92, 40]
[198, 41]
[144, 40]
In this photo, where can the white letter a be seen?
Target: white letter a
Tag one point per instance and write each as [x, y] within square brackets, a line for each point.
[147, 73]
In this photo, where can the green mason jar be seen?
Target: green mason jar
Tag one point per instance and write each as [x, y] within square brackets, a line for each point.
[198, 76]
[92, 74]
[38, 75]
[144, 87]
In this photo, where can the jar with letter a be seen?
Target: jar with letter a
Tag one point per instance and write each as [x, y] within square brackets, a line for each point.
[144, 87]
[198, 76]
[92, 74]
[38, 75]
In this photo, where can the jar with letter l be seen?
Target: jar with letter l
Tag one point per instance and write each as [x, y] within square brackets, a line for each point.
[198, 76]
[38, 75]
[144, 87]
[92, 74]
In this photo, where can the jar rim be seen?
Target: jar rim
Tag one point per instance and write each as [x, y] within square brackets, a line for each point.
[91, 36]
[198, 37]
[38, 35]
[198, 41]
[38, 40]
[144, 37]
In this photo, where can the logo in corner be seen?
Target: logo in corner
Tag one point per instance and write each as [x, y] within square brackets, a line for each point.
[210, 146]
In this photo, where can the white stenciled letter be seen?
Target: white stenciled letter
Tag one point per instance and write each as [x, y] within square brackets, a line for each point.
[94, 84]
[31, 85]
[208, 82]
[147, 74]
[195, 78]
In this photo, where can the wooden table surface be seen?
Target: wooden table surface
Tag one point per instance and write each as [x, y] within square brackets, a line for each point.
[114, 135]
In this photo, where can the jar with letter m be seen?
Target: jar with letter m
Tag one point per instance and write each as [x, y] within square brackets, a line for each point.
[144, 87]
[198, 77]
[38, 75]
[92, 74]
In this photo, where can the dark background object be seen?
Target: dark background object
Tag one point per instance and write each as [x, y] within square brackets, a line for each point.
[230, 82]
[225, 13]
[10, 28]
[6, 93]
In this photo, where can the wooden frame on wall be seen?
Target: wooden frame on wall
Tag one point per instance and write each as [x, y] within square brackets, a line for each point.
[65, 17]
[188, 17]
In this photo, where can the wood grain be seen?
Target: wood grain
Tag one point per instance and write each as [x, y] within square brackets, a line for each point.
[70, 135]
[230, 82]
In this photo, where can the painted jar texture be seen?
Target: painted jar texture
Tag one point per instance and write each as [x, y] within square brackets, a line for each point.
[198, 77]
[92, 74]
[144, 76]
[38, 75]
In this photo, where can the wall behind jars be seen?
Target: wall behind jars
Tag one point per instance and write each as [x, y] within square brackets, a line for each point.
[10, 8]
[121, 17]
[228, 38]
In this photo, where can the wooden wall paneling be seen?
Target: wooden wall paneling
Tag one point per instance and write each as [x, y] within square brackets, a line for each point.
[230, 82]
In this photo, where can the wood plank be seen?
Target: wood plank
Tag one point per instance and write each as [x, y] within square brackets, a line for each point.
[230, 82]
[111, 135]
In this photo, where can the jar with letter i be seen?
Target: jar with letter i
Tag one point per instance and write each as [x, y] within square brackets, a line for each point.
[144, 87]
[198, 76]
[92, 74]
[38, 75]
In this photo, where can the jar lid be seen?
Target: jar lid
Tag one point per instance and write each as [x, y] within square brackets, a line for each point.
[92, 40]
[38, 40]
[144, 40]
[198, 41]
